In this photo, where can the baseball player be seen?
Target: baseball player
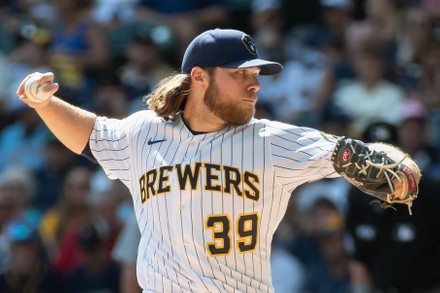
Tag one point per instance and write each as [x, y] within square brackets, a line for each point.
[209, 182]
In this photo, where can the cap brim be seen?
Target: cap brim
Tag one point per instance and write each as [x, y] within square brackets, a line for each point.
[267, 67]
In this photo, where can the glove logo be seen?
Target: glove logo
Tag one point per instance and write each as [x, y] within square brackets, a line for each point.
[346, 155]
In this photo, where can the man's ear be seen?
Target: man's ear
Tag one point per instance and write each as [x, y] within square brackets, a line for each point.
[198, 75]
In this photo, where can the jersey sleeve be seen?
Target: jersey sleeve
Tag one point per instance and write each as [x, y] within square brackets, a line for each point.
[111, 147]
[300, 154]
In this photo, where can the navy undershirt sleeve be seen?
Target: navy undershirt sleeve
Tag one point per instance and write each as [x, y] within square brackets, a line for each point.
[87, 153]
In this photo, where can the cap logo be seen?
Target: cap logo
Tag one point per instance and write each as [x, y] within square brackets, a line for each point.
[249, 44]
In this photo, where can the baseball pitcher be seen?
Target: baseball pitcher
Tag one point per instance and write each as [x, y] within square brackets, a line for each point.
[209, 182]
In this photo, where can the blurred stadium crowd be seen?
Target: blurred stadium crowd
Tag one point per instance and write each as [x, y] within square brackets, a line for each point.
[368, 69]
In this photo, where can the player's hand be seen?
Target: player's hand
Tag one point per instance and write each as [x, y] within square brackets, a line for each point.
[50, 89]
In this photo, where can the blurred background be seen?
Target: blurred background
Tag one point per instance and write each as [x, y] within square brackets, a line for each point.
[369, 69]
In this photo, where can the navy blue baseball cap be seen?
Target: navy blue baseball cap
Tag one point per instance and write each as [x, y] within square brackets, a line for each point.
[227, 48]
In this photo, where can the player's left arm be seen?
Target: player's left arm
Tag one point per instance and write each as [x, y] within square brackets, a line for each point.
[378, 169]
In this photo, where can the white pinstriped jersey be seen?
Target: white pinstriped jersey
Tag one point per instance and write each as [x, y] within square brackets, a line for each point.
[208, 205]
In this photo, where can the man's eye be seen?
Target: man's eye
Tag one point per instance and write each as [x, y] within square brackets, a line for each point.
[241, 72]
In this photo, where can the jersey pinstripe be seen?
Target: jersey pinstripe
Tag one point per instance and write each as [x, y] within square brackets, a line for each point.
[208, 205]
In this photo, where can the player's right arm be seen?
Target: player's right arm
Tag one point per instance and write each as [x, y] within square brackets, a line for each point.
[70, 124]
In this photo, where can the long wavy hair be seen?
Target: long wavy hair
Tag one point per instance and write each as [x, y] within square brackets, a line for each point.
[169, 96]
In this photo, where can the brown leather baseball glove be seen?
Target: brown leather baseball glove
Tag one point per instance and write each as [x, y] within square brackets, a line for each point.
[378, 169]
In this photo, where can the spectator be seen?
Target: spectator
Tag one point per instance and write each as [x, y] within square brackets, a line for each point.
[413, 131]
[49, 179]
[287, 270]
[334, 17]
[125, 253]
[427, 79]
[107, 12]
[111, 98]
[267, 14]
[6, 213]
[369, 97]
[330, 39]
[334, 120]
[385, 16]
[29, 55]
[78, 49]
[96, 272]
[336, 191]
[105, 204]
[423, 76]
[25, 18]
[289, 102]
[23, 46]
[381, 131]
[60, 225]
[185, 19]
[285, 14]
[344, 37]
[382, 21]
[31, 270]
[400, 250]
[144, 68]
[327, 259]
[17, 187]
[4, 113]
[20, 186]
[415, 33]
[22, 142]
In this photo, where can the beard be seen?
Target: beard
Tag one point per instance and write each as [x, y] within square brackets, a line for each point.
[228, 111]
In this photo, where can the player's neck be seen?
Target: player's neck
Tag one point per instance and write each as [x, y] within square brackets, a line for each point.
[197, 126]
[201, 120]
[194, 132]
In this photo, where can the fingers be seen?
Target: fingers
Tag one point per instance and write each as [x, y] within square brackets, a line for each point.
[400, 186]
[43, 77]
[51, 88]
[398, 189]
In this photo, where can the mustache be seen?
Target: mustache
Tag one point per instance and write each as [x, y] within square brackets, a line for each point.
[252, 96]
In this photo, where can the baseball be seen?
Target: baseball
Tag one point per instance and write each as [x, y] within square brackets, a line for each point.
[34, 90]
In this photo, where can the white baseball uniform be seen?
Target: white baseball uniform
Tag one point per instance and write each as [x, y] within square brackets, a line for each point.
[208, 204]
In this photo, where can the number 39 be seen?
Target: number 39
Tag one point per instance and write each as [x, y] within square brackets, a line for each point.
[220, 225]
